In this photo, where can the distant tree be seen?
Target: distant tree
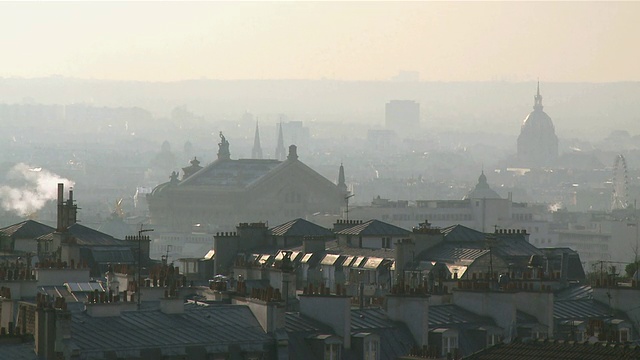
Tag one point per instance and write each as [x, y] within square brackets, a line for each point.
[631, 268]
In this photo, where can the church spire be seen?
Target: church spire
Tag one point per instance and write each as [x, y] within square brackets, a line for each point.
[256, 152]
[280, 151]
[537, 105]
[341, 182]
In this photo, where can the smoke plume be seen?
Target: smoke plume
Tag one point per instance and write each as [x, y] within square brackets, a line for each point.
[30, 188]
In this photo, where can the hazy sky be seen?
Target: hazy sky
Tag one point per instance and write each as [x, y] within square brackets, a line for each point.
[446, 41]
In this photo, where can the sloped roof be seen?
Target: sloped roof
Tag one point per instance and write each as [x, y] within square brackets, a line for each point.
[28, 229]
[577, 292]
[195, 250]
[395, 338]
[374, 227]
[560, 350]
[504, 245]
[72, 292]
[219, 325]
[89, 237]
[580, 309]
[117, 228]
[574, 271]
[86, 236]
[453, 253]
[300, 227]
[234, 173]
[301, 323]
[21, 351]
[112, 254]
[450, 315]
[334, 247]
[299, 328]
[462, 233]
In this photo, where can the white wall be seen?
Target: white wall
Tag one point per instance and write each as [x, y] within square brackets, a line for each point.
[334, 311]
[501, 307]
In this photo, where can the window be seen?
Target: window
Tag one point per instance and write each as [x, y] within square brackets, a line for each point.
[331, 352]
[386, 242]
[624, 335]
[372, 350]
[493, 339]
[449, 344]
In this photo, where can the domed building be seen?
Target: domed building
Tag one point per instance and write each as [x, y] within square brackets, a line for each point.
[482, 190]
[537, 143]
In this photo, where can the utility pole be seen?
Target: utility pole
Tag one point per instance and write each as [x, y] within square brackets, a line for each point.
[634, 275]
[139, 290]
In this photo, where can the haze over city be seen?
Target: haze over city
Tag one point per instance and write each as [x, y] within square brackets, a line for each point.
[443, 41]
[319, 180]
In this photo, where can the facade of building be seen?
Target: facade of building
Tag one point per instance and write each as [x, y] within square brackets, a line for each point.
[227, 192]
[537, 143]
[482, 209]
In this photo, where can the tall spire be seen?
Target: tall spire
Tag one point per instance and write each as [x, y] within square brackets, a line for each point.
[341, 182]
[256, 152]
[281, 153]
[537, 105]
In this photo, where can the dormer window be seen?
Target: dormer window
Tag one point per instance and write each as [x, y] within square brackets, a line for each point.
[449, 344]
[372, 350]
[331, 351]
[624, 335]
[493, 339]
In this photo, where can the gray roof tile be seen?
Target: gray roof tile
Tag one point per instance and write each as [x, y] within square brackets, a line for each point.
[28, 229]
[300, 227]
[374, 227]
[197, 326]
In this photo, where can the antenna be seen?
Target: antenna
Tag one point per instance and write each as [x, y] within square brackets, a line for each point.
[346, 199]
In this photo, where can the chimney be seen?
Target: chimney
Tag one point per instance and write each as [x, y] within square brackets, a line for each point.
[72, 210]
[332, 310]
[45, 331]
[413, 311]
[62, 325]
[293, 153]
[270, 314]
[60, 226]
[404, 254]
